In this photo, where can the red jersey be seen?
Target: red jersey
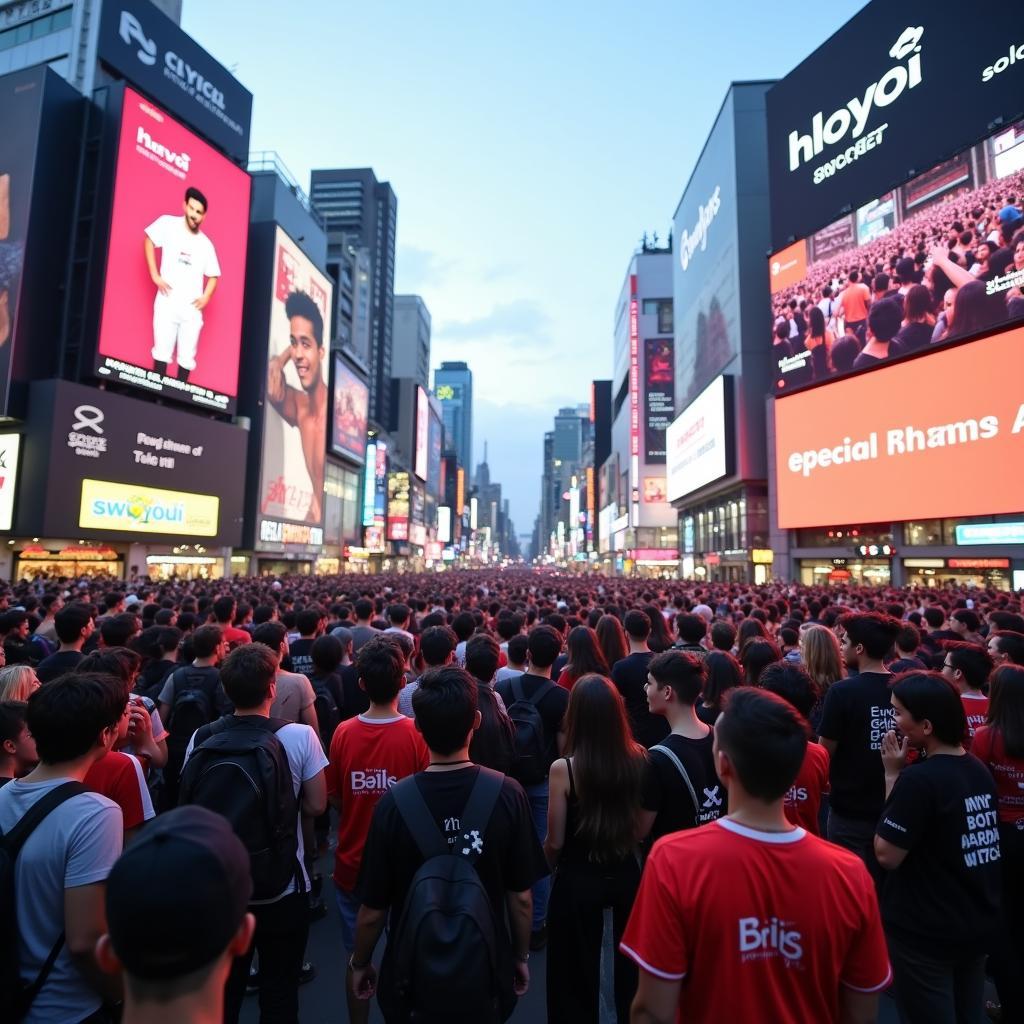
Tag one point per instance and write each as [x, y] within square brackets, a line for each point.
[976, 710]
[235, 636]
[803, 801]
[119, 777]
[989, 748]
[367, 757]
[757, 925]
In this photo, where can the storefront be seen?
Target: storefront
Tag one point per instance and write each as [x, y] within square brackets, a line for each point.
[724, 539]
[73, 561]
[985, 573]
[824, 571]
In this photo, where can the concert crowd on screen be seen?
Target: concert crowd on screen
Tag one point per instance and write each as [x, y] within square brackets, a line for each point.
[952, 270]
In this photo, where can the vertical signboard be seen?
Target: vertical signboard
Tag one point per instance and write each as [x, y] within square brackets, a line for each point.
[634, 399]
[659, 396]
[350, 402]
[398, 506]
[422, 428]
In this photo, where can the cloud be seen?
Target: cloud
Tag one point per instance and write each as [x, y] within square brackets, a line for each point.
[520, 320]
[418, 269]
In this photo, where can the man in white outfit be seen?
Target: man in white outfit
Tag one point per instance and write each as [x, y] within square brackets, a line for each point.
[187, 257]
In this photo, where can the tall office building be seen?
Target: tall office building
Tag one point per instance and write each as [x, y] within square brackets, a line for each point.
[410, 344]
[362, 212]
[453, 388]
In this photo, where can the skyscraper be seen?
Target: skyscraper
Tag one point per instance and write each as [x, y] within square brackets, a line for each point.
[453, 388]
[410, 346]
[362, 212]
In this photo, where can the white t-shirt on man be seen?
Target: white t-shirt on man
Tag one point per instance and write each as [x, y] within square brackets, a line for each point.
[186, 257]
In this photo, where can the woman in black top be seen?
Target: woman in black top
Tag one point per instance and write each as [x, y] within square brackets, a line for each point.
[593, 826]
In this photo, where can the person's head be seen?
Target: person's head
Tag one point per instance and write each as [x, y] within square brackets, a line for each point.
[249, 676]
[271, 634]
[119, 630]
[908, 640]
[363, 609]
[819, 651]
[881, 284]
[437, 646]
[73, 623]
[152, 937]
[510, 626]
[928, 710]
[76, 715]
[544, 644]
[885, 319]
[380, 663]
[224, 610]
[637, 626]
[917, 303]
[722, 672]
[966, 666]
[1006, 646]
[723, 636]
[673, 678]
[327, 652]
[692, 628]
[17, 747]
[973, 309]
[446, 708]
[464, 626]
[1006, 707]
[585, 654]
[18, 682]
[867, 636]
[964, 622]
[307, 621]
[612, 638]
[482, 656]
[518, 648]
[113, 661]
[817, 323]
[844, 351]
[934, 616]
[760, 743]
[208, 642]
[306, 338]
[194, 207]
[792, 683]
[756, 656]
[398, 615]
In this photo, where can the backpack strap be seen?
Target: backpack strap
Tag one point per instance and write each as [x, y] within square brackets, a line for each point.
[482, 798]
[681, 768]
[517, 688]
[418, 819]
[541, 692]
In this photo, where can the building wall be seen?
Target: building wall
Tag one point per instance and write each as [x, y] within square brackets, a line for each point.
[411, 339]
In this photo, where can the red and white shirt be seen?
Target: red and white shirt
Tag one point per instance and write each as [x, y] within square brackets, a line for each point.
[976, 710]
[367, 757]
[803, 801]
[989, 748]
[757, 925]
[119, 777]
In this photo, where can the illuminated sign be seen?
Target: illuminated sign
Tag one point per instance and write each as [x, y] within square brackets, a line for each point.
[422, 429]
[762, 556]
[697, 443]
[444, 524]
[398, 506]
[634, 398]
[274, 532]
[460, 492]
[10, 445]
[978, 563]
[444, 392]
[369, 484]
[128, 507]
[990, 533]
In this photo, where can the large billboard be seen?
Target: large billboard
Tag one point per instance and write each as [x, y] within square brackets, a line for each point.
[399, 506]
[175, 276]
[350, 402]
[943, 252]
[295, 411]
[917, 85]
[102, 465]
[10, 448]
[422, 443]
[143, 44]
[906, 442]
[699, 442]
[659, 396]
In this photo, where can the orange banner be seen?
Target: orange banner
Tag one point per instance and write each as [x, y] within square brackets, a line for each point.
[937, 436]
[788, 266]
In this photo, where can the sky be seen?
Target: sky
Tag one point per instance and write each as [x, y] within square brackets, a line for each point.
[530, 147]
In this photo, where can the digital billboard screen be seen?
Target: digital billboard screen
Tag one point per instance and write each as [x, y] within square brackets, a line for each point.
[351, 398]
[399, 499]
[659, 396]
[295, 413]
[422, 428]
[936, 260]
[917, 86]
[10, 447]
[906, 442]
[171, 318]
[698, 442]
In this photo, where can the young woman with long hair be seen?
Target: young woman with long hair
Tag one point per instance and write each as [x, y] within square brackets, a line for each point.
[612, 638]
[750, 629]
[722, 673]
[1000, 746]
[594, 811]
[819, 652]
[660, 639]
[756, 656]
[585, 657]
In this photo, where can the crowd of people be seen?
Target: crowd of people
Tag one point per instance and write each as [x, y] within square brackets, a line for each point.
[945, 272]
[791, 799]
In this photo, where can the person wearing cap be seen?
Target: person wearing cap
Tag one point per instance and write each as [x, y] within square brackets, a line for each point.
[174, 969]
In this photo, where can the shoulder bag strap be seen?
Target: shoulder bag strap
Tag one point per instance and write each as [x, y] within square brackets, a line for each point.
[517, 688]
[482, 798]
[541, 692]
[680, 767]
[418, 819]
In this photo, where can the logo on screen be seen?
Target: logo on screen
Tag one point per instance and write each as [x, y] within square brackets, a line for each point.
[88, 417]
[132, 30]
[690, 243]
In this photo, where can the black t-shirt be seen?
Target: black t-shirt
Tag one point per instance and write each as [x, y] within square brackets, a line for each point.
[57, 664]
[667, 793]
[630, 676]
[151, 678]
[858, 712]
[511, 859]
[945, 896]
[551, 708]
[911, 338]
[865, 359]
[356, 699]
[301, 654]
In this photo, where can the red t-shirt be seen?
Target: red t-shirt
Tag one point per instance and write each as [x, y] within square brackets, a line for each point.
[803, 801]
[234, 635]
[976, 710]
[989, 748]
[119, 777]
[367, 757]
[757, 925]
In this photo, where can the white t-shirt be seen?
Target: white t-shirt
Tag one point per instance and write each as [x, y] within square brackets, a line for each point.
[306, 760]
[75, 845]
[186, 257]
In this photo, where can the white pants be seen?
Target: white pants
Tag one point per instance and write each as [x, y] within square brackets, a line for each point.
[175, 323]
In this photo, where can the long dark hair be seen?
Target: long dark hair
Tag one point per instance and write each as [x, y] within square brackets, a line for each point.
[608, 768]
[612, 638]
[659, 640]
[756, 656]
[585, 654]
[1006, 707]
[722, 673]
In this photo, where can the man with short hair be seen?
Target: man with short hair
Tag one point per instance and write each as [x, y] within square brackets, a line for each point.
[437, 649]
[493, 744]
[1006, 647]
[505, 851]
[60, 873]
[294, 692]
[398, 619]
[362, 631]
[516, 652]
[967, 666]
[74, 627]
[885, 318]
[310, 623]
[17, 748]
[224, 616]
[852, 304]
[761, 919]
[47, 629]
[692, 630]
[176, 971]
[630, 676]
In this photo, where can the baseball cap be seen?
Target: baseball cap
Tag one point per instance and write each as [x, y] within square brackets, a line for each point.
[343, 633]
[1008, 214]
[177, 895]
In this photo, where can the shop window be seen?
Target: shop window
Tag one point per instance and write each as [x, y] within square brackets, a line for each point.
[843, 536]
[922, 532]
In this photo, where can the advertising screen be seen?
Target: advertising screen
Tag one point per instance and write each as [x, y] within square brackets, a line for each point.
[916, 87]
[175, 274]
[435, 475]
[398, 506]
[945, 253]
[422, 429]
[351, 398]
[906, 442]
[295, 414]
[10, 446]
[698, 441]
[659, 395]
[122, 468]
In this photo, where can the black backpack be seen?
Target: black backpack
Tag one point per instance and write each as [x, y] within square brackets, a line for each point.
[531, 764]
[444, 961]
[240, 769]
[14, 993]
[191, 707]
[326, 707]
[494, 744]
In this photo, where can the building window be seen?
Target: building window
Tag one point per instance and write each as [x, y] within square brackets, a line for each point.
[662, 309]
